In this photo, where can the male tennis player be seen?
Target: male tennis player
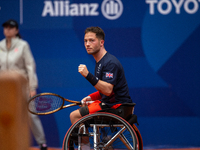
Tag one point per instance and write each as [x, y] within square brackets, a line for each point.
[109, 78]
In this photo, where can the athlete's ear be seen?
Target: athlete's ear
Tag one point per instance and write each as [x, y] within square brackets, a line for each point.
[102, 43]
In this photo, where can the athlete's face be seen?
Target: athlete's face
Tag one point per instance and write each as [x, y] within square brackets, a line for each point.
[92, 43]
[10, 32]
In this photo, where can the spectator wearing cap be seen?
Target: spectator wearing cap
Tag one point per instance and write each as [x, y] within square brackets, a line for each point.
[15, 54]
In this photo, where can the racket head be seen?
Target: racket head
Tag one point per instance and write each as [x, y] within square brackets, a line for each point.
[45, 103]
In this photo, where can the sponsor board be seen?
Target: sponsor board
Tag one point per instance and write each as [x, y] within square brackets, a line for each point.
[166, 7]
[111, 9]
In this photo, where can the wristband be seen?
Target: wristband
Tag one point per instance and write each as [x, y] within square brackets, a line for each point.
[92, 79]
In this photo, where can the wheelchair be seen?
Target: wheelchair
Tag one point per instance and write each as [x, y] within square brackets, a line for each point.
[109, 129]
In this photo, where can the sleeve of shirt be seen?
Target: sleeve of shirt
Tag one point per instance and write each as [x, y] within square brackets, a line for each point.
[110, 73]
[30, 67]
[95, 96]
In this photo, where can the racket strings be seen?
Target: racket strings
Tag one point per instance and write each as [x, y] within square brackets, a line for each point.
[45, 103]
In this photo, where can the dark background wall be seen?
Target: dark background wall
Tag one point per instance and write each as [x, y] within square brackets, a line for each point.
[157, 42]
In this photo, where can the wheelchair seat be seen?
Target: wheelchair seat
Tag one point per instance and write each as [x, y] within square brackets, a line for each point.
[125, 111]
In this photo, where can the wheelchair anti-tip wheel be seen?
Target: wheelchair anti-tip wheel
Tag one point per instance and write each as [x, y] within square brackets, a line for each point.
[101, 131]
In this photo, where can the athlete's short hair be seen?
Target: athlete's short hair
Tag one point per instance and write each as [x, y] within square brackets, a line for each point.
[99, 32]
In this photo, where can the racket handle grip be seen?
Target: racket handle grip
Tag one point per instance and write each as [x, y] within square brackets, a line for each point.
[87, 102]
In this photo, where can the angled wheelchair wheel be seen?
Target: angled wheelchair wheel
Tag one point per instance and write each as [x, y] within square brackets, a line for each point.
[139, 137]
[101, 131]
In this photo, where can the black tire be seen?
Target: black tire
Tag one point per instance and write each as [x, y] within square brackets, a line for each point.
[109, 126]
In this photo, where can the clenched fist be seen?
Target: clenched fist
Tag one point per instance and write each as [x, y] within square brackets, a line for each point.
[82, 69]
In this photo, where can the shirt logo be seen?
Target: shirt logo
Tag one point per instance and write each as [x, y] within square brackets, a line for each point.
[109, 75]
[98, 69]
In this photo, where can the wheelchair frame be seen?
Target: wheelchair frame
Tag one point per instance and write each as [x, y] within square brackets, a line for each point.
[120, 133]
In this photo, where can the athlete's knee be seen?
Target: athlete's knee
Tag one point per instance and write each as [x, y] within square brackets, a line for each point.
[74, 116]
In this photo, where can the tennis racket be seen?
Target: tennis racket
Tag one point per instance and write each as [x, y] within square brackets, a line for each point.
[48, 103]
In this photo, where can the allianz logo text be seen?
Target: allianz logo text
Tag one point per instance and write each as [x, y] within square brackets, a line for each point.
[165, 7]
[111, 9]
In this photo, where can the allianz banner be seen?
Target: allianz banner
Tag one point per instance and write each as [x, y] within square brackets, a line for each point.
[105, 13]
[65, 13]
